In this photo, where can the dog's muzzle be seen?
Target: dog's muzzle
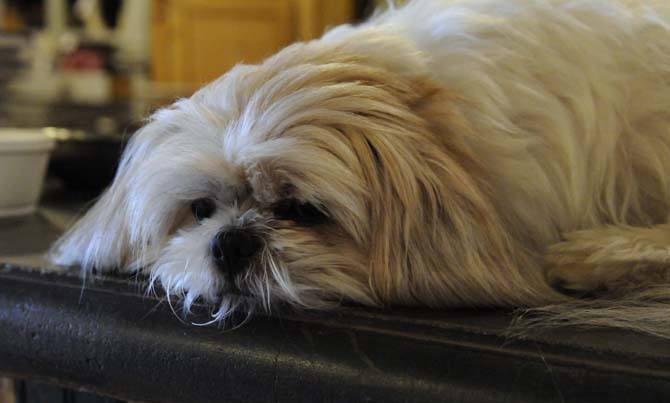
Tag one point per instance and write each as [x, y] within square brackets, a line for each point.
[233, 250]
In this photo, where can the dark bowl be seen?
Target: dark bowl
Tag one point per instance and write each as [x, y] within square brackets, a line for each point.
[84, 161]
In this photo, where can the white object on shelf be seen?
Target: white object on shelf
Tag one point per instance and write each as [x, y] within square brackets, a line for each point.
[56, 16]
[24, 154]
[91, 87]
[132, 32]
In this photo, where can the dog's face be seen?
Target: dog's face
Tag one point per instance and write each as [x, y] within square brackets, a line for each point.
[318, 176]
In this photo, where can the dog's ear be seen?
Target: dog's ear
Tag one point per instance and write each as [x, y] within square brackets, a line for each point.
[436, 237]
[102, 237]
[420, 194]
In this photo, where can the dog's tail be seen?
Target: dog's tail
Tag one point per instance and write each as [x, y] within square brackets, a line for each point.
[643, 310]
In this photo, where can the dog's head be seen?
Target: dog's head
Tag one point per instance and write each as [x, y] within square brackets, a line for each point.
[334, 170]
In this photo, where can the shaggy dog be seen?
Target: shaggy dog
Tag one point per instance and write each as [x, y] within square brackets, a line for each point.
[444, 154]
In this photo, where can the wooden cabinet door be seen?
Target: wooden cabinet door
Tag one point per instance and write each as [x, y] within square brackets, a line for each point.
[195, 41]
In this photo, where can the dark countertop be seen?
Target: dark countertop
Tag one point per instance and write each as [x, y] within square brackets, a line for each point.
[111, 338]
[24, 240]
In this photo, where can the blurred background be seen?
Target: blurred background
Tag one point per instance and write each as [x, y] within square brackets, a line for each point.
[90, 70]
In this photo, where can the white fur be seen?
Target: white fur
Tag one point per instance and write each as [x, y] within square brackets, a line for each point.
[451, 142]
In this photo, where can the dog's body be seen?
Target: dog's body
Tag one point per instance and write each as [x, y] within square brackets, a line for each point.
[447, 153]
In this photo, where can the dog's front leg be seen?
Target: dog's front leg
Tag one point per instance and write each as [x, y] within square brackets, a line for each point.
[610, 258]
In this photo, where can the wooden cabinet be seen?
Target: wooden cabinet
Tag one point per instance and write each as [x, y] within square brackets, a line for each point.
[195, 41]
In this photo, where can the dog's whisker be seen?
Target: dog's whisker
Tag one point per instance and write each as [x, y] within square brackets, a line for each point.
[169, 301]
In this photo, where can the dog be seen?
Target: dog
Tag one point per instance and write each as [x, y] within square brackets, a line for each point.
[507, 153]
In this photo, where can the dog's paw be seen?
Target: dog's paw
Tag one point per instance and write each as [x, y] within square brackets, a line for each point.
[588, 260]
[610, 258]
[568, 267]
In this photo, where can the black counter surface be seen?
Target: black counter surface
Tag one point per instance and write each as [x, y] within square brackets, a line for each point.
[108, 337]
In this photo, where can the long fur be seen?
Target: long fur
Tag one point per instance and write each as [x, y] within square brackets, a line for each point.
[467, 153]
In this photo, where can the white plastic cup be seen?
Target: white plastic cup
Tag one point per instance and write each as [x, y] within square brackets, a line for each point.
[24, 154]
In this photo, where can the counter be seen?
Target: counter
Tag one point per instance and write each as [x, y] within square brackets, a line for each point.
[107, 336]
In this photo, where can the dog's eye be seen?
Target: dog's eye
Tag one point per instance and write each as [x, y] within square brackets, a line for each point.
[202, 208]
[299, 212]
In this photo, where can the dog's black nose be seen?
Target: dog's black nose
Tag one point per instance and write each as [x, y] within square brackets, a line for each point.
[233, 249]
